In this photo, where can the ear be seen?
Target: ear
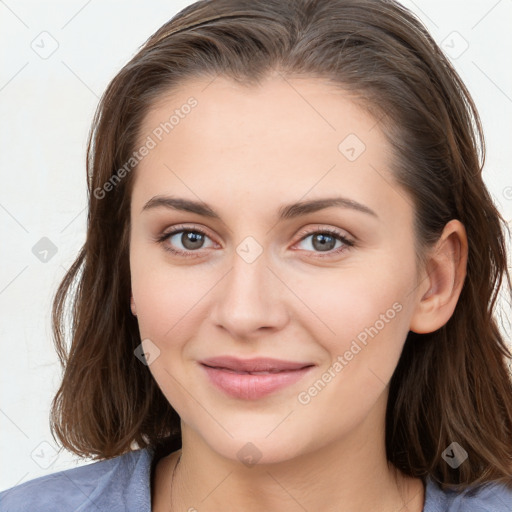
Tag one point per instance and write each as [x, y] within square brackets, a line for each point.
[440, 288]
[132, 306]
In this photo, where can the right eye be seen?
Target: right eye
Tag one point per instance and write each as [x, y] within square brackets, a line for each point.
[191, 239]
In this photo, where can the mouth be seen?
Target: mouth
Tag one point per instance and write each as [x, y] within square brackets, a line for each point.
[270, 372]
[260, 365]
[253, 379]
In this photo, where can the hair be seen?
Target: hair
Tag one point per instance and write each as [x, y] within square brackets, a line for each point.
[451, 385]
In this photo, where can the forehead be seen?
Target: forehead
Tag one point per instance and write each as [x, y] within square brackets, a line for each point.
[294, 137]
[280, 107]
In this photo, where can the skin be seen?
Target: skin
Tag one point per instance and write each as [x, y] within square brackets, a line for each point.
[246, 152]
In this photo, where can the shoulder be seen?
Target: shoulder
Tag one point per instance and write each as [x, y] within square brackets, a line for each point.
[117, 484]
[493, 496]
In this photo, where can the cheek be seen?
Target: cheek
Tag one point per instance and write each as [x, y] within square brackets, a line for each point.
[167, 298]
[369, 317]
[339, 305]
[361, 314]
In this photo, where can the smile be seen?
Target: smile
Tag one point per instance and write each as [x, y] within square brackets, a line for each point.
[253, 385]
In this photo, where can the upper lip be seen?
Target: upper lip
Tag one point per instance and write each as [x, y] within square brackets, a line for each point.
[259, 364]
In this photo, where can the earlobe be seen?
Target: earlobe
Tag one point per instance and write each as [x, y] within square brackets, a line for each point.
[132, 306]
[440, 290]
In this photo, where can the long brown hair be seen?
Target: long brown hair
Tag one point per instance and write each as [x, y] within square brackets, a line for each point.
[451, 385]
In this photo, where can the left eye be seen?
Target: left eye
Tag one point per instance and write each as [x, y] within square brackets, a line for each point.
[324, 241]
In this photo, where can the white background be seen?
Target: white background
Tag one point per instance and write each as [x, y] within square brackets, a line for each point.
[46, 109]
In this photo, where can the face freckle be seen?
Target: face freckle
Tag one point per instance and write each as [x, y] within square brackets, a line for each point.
[250, 286]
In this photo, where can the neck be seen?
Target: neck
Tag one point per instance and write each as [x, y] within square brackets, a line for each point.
[349, 474]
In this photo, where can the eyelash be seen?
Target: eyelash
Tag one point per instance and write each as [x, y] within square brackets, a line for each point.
[347, 244]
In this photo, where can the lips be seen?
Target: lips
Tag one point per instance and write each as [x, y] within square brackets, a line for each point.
[252, 379]
[260, 365]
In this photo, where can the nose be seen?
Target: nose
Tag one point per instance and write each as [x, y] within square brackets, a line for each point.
[251, 299]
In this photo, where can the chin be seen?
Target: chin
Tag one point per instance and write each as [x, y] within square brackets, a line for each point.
[259, 448]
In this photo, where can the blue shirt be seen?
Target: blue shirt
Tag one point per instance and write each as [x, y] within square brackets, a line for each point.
[123, 484]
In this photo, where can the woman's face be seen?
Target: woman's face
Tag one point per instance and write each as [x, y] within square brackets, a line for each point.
[266, 280]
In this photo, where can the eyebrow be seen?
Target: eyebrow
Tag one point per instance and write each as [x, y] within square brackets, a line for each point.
[289, 211]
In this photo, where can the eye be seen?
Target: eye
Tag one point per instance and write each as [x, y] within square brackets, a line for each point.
[324, 241]
[191, 239]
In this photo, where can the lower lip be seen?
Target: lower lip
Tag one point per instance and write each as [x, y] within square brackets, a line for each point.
[252, 387]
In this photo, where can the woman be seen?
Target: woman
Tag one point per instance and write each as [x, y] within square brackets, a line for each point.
[286, 296]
